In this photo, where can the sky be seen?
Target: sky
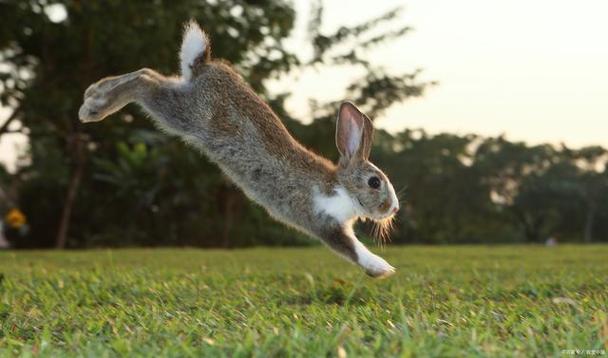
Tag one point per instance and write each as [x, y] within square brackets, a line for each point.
[536, 71]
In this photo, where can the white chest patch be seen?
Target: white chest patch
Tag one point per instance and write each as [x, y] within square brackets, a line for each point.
[340, 206]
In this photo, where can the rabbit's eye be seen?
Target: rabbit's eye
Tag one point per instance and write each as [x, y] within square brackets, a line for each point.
[374, 182]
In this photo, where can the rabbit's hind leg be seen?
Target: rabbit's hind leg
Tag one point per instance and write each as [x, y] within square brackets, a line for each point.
[110, 94]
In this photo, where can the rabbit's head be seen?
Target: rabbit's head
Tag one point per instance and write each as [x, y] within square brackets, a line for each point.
[370, 188]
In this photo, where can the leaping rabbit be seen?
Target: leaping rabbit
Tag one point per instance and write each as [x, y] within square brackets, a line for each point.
[211, 108]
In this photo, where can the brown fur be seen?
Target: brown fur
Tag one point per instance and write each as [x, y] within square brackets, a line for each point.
[218, 113]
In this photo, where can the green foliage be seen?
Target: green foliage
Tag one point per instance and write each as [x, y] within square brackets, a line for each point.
[443, 301]
[474, 189]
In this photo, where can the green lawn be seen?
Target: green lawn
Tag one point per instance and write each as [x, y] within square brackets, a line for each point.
[443, 301]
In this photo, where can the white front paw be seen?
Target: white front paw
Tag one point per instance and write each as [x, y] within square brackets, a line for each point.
[375, 265]
[379, 269]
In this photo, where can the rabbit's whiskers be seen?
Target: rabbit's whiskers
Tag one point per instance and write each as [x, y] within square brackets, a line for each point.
[382, 228]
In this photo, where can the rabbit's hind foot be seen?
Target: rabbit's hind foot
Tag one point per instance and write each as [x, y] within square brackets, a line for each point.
[112, 93]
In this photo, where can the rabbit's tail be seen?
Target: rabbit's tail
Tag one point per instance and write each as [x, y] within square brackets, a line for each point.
[195, 50]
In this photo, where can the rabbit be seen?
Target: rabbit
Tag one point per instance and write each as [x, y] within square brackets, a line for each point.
[215, 111]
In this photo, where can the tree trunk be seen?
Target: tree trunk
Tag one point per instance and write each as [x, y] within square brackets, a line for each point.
[70, 198]
[227, 217]
[525, 224]
[7, 122]
[590, 218]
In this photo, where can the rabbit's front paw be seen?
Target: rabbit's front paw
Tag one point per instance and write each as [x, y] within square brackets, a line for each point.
[375, 266]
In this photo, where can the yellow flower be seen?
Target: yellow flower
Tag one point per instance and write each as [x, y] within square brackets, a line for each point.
[15, 218]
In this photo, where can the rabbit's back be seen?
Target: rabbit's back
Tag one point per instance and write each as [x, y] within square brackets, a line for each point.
[240, 132]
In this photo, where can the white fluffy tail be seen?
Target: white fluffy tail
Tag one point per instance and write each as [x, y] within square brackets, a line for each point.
[194, 46]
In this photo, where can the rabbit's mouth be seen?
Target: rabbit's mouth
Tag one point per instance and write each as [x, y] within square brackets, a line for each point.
[375, 216]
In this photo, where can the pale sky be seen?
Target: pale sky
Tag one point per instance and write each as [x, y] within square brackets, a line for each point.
[534, 70]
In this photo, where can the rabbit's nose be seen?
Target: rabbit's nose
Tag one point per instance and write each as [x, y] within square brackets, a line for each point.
[395, 209]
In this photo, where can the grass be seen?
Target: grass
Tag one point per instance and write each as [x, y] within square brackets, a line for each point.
[443, 301]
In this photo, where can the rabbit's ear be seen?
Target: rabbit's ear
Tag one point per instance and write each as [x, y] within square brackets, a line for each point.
[354, 132]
